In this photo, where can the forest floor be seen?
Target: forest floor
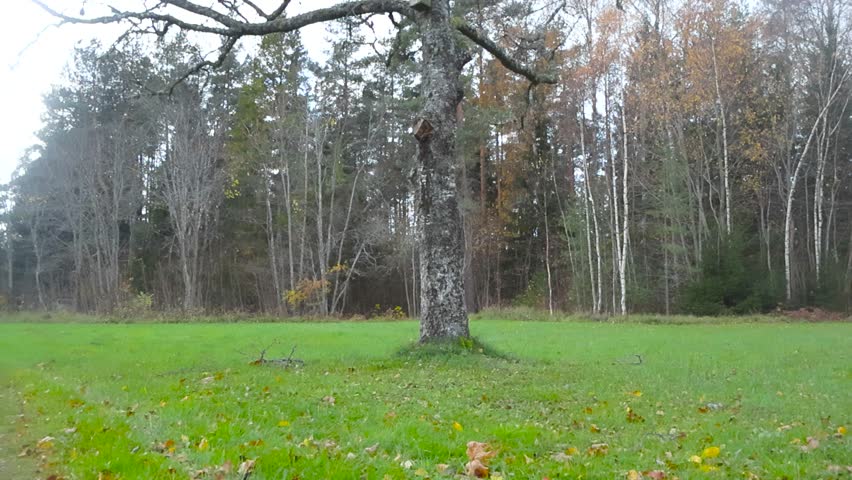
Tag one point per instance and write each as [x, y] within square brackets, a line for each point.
[756, 400]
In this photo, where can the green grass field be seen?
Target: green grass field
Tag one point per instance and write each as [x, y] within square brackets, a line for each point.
[145, 401]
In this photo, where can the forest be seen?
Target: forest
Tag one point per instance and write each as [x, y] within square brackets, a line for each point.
[690, 157]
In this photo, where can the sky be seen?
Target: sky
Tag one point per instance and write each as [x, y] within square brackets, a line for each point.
[34, 53]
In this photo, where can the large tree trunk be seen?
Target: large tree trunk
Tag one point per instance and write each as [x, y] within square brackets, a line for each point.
[443, 312]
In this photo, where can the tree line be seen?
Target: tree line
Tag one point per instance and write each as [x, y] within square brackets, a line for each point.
[690, 157]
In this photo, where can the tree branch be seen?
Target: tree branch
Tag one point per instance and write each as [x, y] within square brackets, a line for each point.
[224, 51]
[480, 39]
[232, 27]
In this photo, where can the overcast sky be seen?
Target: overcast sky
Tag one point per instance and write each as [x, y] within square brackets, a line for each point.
[33, 54]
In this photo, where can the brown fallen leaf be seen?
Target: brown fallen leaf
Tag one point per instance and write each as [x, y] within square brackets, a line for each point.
[476, 469]
[442, 467]
[479, 451]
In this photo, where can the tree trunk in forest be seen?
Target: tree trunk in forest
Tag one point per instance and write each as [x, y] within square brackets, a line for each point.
[625, 211]
[726, 194]
[443, 314]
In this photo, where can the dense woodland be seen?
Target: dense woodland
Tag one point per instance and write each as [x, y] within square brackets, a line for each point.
[692, 157]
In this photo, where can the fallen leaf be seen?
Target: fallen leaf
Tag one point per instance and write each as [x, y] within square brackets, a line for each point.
[598, 449]
[329, 400]
[457, 426]
[442, 467]
[636, 393]
[633, 417]
[371, 450]
[283, 423]
[246, 467]
[477, 469]
[841, 430]
[45, 443]
[695, 459]
[634, 475]
[407, 464]
[203, 445]
[421, 472]
[711, 452]
[479, 451]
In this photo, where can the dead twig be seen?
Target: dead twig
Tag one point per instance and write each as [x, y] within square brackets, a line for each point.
[289, 361]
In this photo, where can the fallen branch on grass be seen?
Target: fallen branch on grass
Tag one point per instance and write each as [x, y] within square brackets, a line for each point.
[280, 362]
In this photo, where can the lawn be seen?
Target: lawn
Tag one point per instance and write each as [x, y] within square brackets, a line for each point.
[572, 400]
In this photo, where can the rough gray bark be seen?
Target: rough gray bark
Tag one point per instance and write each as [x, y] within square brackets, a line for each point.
[443, 313]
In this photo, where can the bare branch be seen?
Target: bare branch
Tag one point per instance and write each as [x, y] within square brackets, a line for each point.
[120, 16]
[232, 27]
[224, 51]
[512, 64]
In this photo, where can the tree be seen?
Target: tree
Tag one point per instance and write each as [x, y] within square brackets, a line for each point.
[443, 311]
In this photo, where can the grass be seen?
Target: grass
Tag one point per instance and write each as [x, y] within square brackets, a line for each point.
[181, 400]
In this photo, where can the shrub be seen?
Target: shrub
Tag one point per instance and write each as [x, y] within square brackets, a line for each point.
[732, 281]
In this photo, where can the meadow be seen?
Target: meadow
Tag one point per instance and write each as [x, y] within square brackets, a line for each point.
[755, 399]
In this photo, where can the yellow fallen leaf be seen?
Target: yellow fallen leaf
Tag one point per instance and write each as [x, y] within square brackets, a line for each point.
[421, 472]
[45, 443]
[571, 451]
[709, 468]
[634, 475]
[203, 444]
[695, 459]
[457, 426]
[841, 430]
[710, 452]
[283, 423]
[636, 393]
